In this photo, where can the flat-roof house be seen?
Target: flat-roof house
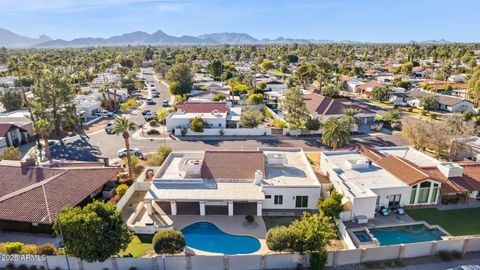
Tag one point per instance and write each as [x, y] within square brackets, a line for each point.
[234, 183]
[395, 176]
[31, 196]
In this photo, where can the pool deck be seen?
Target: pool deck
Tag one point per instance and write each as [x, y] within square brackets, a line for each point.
[235, 225]
[393, 219]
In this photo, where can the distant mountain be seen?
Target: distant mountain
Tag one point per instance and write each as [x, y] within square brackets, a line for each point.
[9, 39]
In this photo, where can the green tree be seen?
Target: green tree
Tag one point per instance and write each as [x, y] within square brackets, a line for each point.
[255, 99]
[168, 241]
[331, 206]
[474, 87]
[11, 100]
[94, 232]
[429, 103]
[304, 74]
[392, 116]
[10, 153]
[336, 132]
[324, 72]
[197, 124]
[182, 75]
[219, 97]
[43, 128]
[313, 124]
[280, 238]
[350, 117]
[295, 109]
[162, 115]
[251, 119]
[267, 64]
[215, 68]
[123, 126]
[313, 233]
[380, 93]
[330, 91]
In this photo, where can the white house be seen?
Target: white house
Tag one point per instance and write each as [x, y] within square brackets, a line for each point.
[446, 103]
[233, 183]
[87, 105]
[352, 84]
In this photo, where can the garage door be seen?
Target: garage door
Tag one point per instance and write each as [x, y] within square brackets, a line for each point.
[245, 208]
[188, 208]
[216, 209]
[165, 206]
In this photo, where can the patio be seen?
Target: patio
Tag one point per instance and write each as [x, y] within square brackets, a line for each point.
[392, 219]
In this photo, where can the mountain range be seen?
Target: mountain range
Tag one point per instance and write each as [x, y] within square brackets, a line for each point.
[9, 39]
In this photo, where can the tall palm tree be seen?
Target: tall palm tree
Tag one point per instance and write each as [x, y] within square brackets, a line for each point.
[336, 132]
[162, 115]
[349, 115]
[43, 128]
[123, 126]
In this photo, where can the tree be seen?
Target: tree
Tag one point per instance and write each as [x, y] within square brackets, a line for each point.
[313, 124]
[94, 232]
[197, 124]
[251, 119]
[255, 99]
[159, 157]
[169, 241]
[324, 72]
[162, 115]
[392, 116]
[331, 206]
[11, 100]
[123, 126]
[10, 153]
[280, 238]
[295, 109]
[219, 97]
[474, 87]
[43, 128]
[215, 68]
[304, 74]
[312, 233]
[267, 64]
[429, 103]
[349, 115]
[182, 75]
[380, 93]
[330, 91]
[415, 132]
[336, 132]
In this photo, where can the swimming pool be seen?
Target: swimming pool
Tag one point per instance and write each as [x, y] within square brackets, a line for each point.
[363, 236]
[208, 237]
[405, 234]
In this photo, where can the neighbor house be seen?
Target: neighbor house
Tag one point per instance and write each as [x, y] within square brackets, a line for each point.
[445, 103]
[12, 135]
[367, 88]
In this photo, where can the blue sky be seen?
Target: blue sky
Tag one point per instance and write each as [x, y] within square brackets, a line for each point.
[359, 20]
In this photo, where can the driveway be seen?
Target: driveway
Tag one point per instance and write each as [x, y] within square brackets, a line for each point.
[30, 238]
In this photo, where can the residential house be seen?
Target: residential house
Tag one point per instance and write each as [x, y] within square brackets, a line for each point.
[445, 103]
[32, 196]
[465, 149]
[105, 78]
[249, 182]
[351, 82]
[396, 176]
[87, 106]
[366, 88]
[12, 135]
[19, 118]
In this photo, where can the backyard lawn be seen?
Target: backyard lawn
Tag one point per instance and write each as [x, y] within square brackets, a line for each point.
[137, 248]
[456, 222]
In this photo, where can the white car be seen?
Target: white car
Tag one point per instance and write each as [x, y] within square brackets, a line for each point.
[105, 113]
[149, 116]
[122, 153]
[465, 267]
[109, 127]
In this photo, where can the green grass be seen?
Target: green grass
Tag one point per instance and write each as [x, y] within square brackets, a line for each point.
[456, 222]
[137, 248]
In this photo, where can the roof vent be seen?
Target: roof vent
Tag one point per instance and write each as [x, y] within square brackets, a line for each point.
[358, 163]
[450, 169]
[277, 159]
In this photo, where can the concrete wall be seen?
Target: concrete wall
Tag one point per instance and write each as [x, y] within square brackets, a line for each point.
[342, 229]
[228, 132]
[136, 186]
[289, 194]
[383, 193]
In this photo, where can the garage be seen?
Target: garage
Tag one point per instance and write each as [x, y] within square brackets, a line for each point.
[188, 208]
[165, 206]
[216, 209]
[245, 208]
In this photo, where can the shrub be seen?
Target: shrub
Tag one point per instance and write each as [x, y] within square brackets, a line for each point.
[197, 124]
[251, 119]
[61, 251]
[457, 255]
[279, 123]
[409, 109]
[48, 249]
[30, 249]
[433, 116]
[267, 113]
[318, 260]
[153, 131]
[249, 218]
[10, 153]
[255, 99]
[159, 157]
[153, 122]
[424, 113]
[444, 255]
[219, 97]
[11, 247]
[168, 242]
[221, 132]
[468, 116]
[121, 190]
[312, 124]
[279, 239]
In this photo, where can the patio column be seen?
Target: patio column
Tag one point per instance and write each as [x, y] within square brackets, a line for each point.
[173, 208]
[202, 208]
[259, 209]
[19, 135]
[230, 208]
[149, 207]
[9, 139]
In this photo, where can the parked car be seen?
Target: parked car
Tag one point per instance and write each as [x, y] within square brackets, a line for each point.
[150, 101]
[144, 112]
[109, 127]
[398, 210]
[155, 93]
[152, 85]
[149, 116]
[465, 267]
[122, 153]
[165, 103]
[105, 113]
[383, 211]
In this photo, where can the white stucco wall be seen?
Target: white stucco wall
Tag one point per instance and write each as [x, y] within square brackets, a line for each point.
[289, 194]
[384, 192]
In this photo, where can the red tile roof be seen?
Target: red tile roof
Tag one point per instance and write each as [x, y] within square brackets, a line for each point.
[63, 187]
[369, 84]
[202, 107]
[232, 164]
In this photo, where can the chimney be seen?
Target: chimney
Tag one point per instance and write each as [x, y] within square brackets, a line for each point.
[449, 169]
[258, 177]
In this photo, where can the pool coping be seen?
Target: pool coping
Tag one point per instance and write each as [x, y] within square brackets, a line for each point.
[376, 243]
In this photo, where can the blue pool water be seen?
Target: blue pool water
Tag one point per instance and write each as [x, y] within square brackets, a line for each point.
[363, 236]
[208, 237]
[405, 234]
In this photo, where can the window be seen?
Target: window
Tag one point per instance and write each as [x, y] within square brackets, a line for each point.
[278, 199]
[423, 193]
[394, 200]
[268, 196]
[434, 193]
[412, 194]
[301, 201]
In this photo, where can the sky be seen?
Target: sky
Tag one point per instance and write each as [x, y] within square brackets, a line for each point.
[357, 20]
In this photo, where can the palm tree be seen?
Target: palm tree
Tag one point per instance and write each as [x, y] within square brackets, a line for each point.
[349, 115]
[123, 126]
[336, 132]
[162, 115]
[43, 128]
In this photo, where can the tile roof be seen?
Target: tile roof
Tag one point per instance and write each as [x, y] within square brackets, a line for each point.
[469, 181]
[232, 164]
[63, 187]
[6, 127]
[403, 169]
[328, 106]
[368, 85]
[202, 107]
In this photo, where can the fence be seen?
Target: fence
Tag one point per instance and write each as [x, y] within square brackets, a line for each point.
[227, 132]
[237, 262]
